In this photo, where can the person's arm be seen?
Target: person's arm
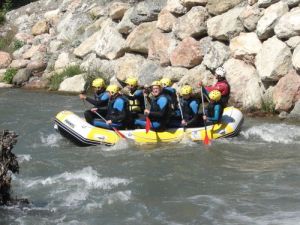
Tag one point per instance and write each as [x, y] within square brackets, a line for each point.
[217, 110]
[162, 103]
[102, 101]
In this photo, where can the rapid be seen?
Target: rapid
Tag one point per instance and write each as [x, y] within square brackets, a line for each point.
[251, 179]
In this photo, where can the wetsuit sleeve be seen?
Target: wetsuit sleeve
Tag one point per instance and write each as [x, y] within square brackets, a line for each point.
[102, 100]
[162, 103]
[217, 110]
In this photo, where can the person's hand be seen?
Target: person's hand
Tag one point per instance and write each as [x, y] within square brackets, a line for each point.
[183, 123]
[82, 96]
[204, 118]
[200, 84]
[146, 112]
[108, 122]
[94, 109]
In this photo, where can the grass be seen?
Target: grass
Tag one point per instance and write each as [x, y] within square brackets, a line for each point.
[57, 78]
[268, 106]
[9, 75]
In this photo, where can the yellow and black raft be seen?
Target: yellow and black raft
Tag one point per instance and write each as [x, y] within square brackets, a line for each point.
[82, 133]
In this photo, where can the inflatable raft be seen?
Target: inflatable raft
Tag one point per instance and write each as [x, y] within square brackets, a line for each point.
[82, 133]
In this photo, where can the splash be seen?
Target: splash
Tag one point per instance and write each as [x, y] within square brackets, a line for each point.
[276, 133]
[24, 158]
[50, 140]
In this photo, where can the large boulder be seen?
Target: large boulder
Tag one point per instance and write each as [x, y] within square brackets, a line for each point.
[187, 54]
[287, 92]
[273, 61]
[296, 58]
[24, 38]
[36, 67]
[293, 42]
[19, 63]
[217, 7]
[62, 61]
[21, 77]
[245, 46]
[126, 26]
[160, 47]
[226, 26]
[295, 113]
[138, 39]
[217, 53]
[73, 84]
[40, 27]
[240, 74]
[5, 59]
[266, 24]
[117, 10]
[184, 28]
[165, 21]
[288, 25]
[266, 3]
[175, 7]
[88, 45]
[34, 50]
[37, 83]
[149, 71]
[250, 16]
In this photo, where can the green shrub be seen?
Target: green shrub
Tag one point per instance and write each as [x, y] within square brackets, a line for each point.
[17, 44]
[2, 17]
[9, 75]
[57, 78]
[268, 106]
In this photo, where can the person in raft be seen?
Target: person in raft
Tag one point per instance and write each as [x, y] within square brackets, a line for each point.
[159, 112]
[117, 110]
[214, 109]
[221, 85]
[100, 100]
[169, 91]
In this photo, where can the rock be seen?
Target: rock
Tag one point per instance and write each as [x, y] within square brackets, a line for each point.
[217, 7]
[36, 67]
[37, 83]
[54, 46]
[265, 25]
[160, 47]
[97, 12]
[94, 27]
[293, 3]
[2, 72]
[184, 28]
[266, 3]
[5, 85]
[149, 72]
[24, 38]
[138, 40]
[174, 73]
[33, 50]
[293, 42]
[106, 46]
[287, 92]
[239, 74]
[175, 7]
[18, 54]
[283, 115]
[21, 77]
[117, 10]
[126, 26]
[272, 62]
[62, 61]
[226, 26]
[288, 25]
[19, 63]
[73, 84]
[296, 58]
[245, 46]
[295, 113]
[5, 59]
[53, 17]
[252, 2]
[146, 11]
[216, 55]
[40, 27]
[88, 45]
[191, 3]
[250, 16]
[165, 21]
[187, 54]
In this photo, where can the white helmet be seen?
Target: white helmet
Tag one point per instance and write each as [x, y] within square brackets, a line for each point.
[220, 71]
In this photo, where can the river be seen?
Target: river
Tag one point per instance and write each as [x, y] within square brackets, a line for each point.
[251, 179]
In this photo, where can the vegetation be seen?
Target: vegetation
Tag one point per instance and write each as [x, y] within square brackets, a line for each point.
[17, 44]
[57, 78]
[9, 75]
[268, 106]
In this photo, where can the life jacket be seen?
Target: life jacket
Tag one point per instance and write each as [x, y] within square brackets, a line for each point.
[170, 93]
[99, 97]
[116, 115]
[157, 114]
[211, 110]
[187, 111]
[225, 98]
[135, 103]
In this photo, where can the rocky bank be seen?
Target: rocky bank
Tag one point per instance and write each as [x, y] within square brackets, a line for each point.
[257, 41]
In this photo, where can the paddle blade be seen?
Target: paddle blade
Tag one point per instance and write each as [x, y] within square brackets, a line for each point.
[206, 140]
[148, 124]
[119, 133]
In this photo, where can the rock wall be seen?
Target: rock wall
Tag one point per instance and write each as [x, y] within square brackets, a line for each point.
[257, 41]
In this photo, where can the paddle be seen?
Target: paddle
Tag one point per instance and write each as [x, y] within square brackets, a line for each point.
[180, 109]
[148, 121]
[115, 129]
[206, 140]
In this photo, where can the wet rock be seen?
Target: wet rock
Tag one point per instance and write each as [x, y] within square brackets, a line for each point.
[187, 54]
[272, 62]
[5, 85]
[37, 83]
[184, 28]
[5, 59]
[287, 92]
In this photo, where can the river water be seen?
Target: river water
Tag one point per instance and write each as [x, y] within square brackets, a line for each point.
[250, 179]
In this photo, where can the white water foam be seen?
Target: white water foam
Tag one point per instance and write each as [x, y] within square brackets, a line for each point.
[277, 133]
[51, 140]
[24, 158]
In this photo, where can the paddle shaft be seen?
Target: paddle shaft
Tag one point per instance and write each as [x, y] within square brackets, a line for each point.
[179, 105]
[203, 111]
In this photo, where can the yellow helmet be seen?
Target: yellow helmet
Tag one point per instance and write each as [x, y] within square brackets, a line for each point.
[215, 95]
[131, 81]
[156, 83]
[99, 82]
[186, 90]
[112, 89]
[166, 82]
